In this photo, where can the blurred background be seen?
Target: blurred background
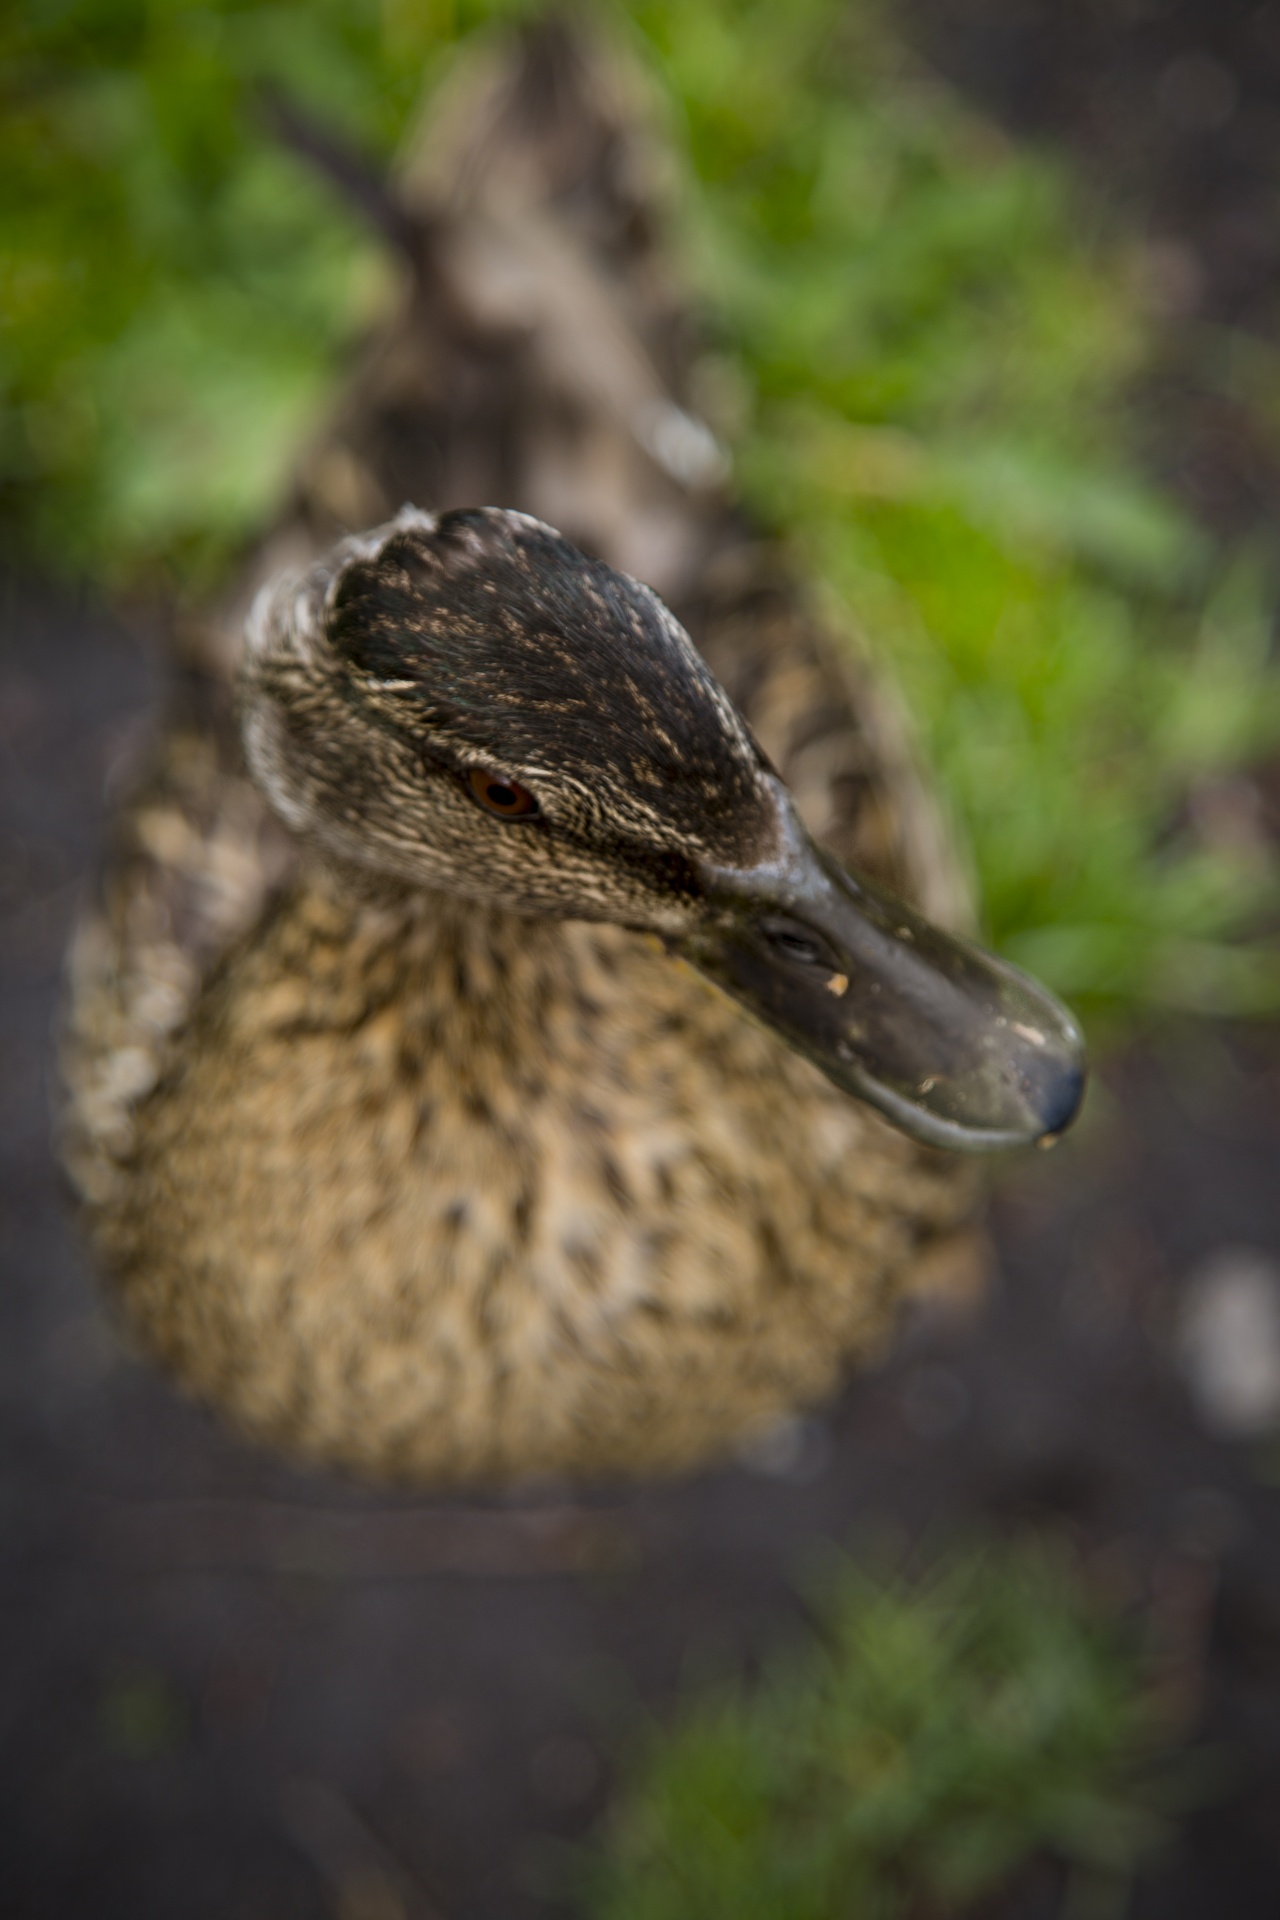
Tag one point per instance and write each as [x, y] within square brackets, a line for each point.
[990, 297]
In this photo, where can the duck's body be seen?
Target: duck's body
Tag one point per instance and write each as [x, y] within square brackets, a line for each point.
[429, 1158]
[445, 1192]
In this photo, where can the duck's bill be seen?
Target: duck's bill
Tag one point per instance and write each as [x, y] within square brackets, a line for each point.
[955, 1047]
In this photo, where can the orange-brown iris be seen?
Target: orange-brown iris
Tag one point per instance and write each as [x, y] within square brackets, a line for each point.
[506, 798]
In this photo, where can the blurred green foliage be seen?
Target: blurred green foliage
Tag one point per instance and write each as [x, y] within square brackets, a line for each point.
[927, 350]
[938, 357]
[934, 1739]
[175, 287]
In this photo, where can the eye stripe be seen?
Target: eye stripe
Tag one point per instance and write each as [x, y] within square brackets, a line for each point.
[504, 798]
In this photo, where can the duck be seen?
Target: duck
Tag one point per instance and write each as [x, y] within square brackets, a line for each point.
[526, 1024]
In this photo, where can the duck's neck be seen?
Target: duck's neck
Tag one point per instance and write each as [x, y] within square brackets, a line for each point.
[472, 968]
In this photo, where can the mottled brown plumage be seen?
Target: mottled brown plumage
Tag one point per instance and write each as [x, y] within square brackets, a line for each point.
[403, 1139]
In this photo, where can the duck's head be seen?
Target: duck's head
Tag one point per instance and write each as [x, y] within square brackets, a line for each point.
[465, 702]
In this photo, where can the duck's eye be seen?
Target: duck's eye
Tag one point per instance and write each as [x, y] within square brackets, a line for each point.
[507, 798]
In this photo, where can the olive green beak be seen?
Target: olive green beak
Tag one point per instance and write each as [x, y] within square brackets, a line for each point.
[955, 1047]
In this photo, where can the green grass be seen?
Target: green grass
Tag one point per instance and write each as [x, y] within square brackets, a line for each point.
[176, 289]
[926, 345]
[932, 1739]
